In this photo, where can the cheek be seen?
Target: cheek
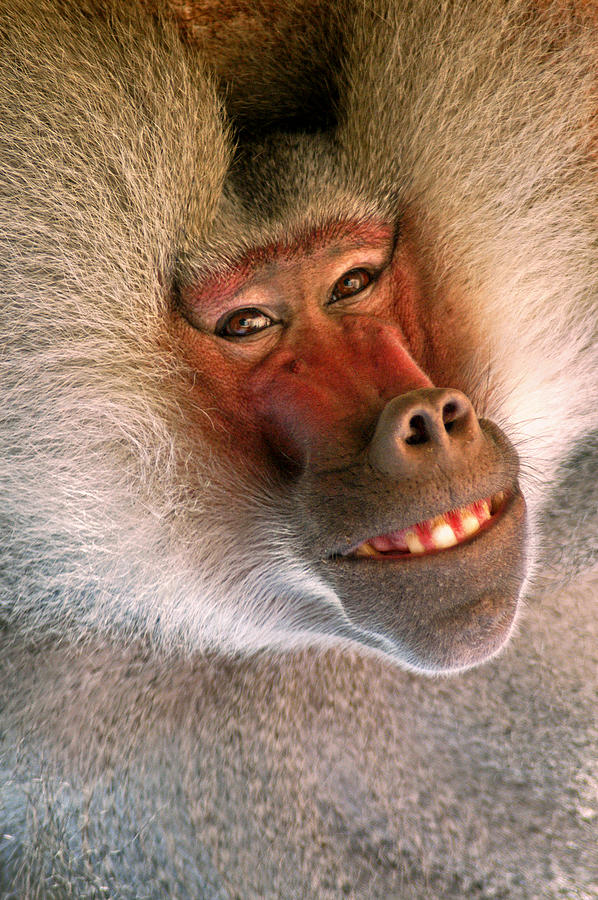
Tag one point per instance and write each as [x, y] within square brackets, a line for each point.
[214, 393]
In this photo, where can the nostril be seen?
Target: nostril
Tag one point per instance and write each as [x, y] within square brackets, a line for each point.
[450, 413]
[418, 431]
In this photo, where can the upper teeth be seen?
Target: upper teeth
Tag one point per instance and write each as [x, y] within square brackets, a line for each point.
[434, 534]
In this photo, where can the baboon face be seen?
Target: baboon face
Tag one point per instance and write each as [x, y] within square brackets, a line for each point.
[316, 358]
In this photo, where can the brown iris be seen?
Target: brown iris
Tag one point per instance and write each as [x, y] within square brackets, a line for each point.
[352, 282]
[243, 322]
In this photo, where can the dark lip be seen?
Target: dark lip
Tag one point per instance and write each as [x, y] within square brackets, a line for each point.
[511, 495]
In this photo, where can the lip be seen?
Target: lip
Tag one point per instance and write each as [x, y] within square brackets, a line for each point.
[439, 535]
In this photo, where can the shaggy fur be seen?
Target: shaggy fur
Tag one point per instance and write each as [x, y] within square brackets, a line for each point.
[99, 531]
[116, 177]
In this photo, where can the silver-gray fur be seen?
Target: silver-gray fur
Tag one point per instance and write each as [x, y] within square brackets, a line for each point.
[146, 752]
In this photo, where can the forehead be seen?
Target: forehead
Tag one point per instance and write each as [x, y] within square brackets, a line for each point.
[335, 237]
[332, 240]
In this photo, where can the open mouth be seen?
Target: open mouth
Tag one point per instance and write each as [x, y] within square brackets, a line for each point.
[439, 533]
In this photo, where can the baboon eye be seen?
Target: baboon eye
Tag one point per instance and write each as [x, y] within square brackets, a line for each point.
[352, 282]
[243, 322]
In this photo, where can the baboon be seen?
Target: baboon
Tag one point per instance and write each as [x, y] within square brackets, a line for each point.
[299, 334]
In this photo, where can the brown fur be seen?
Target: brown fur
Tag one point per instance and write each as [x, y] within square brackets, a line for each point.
[147, 749]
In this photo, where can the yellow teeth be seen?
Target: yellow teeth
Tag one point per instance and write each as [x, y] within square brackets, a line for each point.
[443, 535]
[365, 549]
[484, 505]
[414, 543]
[438, 533]
[470, 523]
